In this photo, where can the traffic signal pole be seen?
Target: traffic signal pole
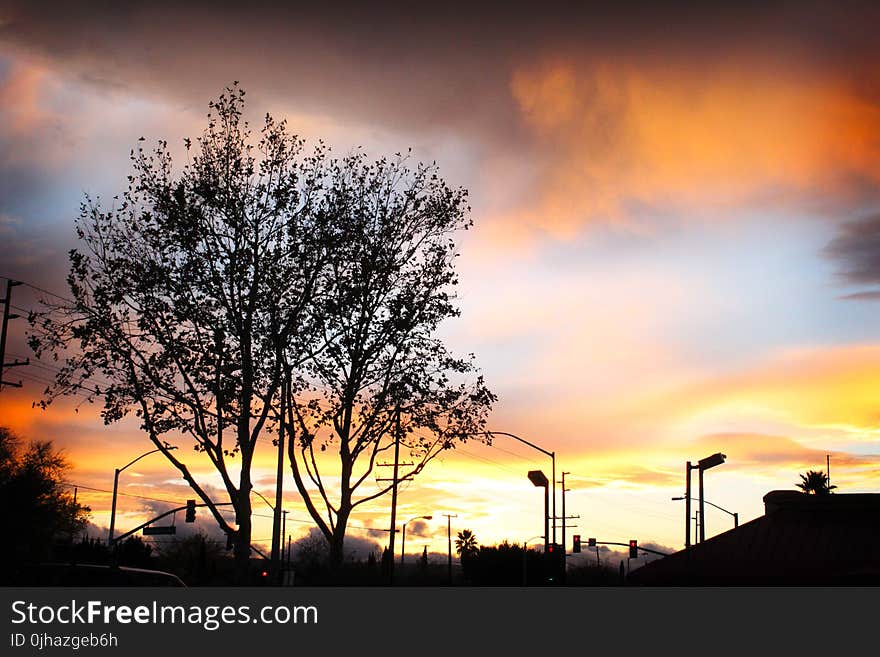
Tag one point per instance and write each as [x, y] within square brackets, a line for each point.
[188, 506]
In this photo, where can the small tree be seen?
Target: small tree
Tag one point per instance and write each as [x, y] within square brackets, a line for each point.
[815, 482]
[186, 293]
[466, 544]
[34, 502]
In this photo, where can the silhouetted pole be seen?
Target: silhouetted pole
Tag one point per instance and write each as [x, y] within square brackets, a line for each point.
[687, 505]
[539, 480]
[3, 332]
[704, 464]
[116, 488]
[553, 475]
[546, 519]
[563, 513]
[277, 531]
[394, 498]
[449, 518]
[113, 507]
[702, 511]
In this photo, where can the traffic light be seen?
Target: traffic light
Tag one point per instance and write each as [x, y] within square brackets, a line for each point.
[591, 542]
[633, 549]
[551, 548]
[190, 511]
[576, 547]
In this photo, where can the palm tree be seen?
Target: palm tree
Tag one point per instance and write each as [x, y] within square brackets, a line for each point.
[815, 483]
[466, 543]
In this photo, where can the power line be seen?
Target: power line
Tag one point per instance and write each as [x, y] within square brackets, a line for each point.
[39, 289]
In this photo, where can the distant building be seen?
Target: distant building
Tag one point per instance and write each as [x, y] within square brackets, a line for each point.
[815, 540]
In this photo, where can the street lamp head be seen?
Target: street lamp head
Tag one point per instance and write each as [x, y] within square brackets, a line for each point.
[711, 461]
[677, 499]
[428, 517]
[538, 478]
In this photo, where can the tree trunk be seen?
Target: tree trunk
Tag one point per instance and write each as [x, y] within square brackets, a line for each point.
[337, 540]
[242, 544]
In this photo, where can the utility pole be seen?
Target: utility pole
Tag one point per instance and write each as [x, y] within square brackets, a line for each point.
[553, 479]
[282, 561]
[394, 498]
[395, 480]
[702, 509]
[449, 518]
[7, 302]
[277, 531]
[565, 517]
[828, 469]
[687, 505]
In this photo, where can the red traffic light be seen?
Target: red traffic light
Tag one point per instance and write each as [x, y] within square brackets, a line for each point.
[633, 549]
[576, 547]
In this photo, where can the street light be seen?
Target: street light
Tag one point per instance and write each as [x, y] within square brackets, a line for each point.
[403, 535]
[732, 513]
[552, 456]
[539, 479]
[702, 465]
[116, 486]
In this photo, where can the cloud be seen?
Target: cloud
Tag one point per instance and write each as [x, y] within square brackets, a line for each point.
[769, 451]
[856, 252]
[623, 136]
[419, 528]
[572, 116]
[810, 390]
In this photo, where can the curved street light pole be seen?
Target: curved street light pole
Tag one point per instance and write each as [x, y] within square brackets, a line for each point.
[116, 488]
[552, 456]
[403, 535]
[703, 464]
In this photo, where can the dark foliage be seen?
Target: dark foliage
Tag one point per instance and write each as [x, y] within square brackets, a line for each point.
[39, 511]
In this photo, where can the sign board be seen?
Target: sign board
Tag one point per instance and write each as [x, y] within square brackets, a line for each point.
[166, 529]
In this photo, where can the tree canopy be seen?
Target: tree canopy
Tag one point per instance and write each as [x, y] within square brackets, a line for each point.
[262, 290]
[37, 507]
[815, 482]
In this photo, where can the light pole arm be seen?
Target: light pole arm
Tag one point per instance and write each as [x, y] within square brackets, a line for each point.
[110, 539]
[522, 440]
[153, 451]
[731, 513]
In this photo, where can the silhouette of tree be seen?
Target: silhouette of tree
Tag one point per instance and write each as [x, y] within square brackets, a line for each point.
[186, 291]
[259, 287]
[379, 374]
[815, 482]
[466, 544]
[35, 505]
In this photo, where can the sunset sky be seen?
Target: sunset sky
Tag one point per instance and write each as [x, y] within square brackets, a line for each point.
[676, 242]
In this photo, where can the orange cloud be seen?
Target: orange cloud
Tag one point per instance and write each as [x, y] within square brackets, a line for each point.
[831, 388]
[617, 135]
[20, 98]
